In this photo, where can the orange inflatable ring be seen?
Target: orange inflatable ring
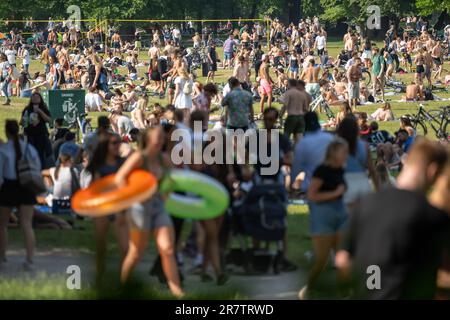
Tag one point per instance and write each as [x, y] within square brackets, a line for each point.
[103, 197]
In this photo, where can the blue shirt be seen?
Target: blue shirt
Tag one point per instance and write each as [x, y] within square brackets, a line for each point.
[309, 154]
[358, 161]
[407, 145]
[228, 46]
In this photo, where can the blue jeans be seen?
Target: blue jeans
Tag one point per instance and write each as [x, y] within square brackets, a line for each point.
[5, 87]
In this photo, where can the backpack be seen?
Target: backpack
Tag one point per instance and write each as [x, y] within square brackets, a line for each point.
[187, 89]
[428, 94]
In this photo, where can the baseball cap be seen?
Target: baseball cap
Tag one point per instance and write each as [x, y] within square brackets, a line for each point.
[69, 149]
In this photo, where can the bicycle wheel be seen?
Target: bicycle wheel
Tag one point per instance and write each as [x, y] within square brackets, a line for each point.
[446, 131]
[366, 77]
[420, 127]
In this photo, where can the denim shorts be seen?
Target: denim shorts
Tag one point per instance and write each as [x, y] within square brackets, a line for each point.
[228, 55]
[327, 218]
[148, 216]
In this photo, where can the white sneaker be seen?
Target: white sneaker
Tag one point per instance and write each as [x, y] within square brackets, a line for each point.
[303, 293]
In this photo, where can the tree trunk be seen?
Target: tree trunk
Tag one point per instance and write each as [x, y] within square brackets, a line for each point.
[294, 7]
[253, 9]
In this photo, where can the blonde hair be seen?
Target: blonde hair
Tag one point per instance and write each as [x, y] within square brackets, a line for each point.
[332, 149]
[182, 72]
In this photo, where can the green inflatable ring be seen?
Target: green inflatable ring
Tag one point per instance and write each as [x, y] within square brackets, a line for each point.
[212, 201]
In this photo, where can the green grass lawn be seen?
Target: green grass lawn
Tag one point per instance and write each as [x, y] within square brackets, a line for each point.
[45, 287]
[400, 108]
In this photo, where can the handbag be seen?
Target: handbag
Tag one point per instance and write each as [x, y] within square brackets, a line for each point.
[29, 175]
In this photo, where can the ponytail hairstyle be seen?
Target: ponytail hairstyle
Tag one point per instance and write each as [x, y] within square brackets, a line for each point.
[12, 132]
[63, 158]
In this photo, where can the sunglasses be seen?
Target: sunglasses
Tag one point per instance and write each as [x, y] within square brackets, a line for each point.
[115, 142]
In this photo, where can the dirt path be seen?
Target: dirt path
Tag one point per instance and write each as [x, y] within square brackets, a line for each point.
[55, 263]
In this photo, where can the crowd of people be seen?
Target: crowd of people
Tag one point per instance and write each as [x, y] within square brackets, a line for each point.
[345, 169]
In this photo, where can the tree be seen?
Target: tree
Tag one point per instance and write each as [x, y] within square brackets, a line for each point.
[428, 7]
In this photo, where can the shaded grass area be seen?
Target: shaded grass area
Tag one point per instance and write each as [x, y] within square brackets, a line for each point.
[44, 286]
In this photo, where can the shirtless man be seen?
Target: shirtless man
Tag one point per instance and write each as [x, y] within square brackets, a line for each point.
[436, 54]
[116, 42]
[265, 82]
[349, 43]
[45, 59]
[153, 52]
[354, 76]
[414, 92]
[428, 66]
[296, 104]
[311, 76]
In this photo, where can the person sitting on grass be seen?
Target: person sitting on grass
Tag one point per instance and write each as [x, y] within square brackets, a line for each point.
[414, 92]
[64, 177]
[383, 113]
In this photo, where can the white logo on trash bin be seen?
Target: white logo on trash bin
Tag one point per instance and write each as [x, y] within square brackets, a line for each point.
[70, 111]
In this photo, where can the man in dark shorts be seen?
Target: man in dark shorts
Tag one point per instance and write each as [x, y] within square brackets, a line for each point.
[394, 244]
[296, 104]
[212, 62]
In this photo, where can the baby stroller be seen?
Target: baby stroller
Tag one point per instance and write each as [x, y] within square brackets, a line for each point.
[261, 216]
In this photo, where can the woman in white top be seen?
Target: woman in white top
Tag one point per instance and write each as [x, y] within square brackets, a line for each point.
[183, 91]
[12, 194]
[62, 175]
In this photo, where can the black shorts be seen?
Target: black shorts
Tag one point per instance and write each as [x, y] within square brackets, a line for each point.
[12, 194]
[420, 69]
[155, 76]
[437, 61]
[212, 66]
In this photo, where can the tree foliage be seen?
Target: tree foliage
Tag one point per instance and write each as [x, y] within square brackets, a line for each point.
[331, 11]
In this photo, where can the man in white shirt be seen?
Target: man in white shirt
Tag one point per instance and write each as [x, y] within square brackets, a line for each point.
[11, 55]
[320, 44]
[176, 34]
[93, 101]
[26, 59]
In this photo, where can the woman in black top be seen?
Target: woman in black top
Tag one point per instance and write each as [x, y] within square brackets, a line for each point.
[328, 215]
[34, 122]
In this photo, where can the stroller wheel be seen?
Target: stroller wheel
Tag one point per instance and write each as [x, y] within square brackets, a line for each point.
[277, 263]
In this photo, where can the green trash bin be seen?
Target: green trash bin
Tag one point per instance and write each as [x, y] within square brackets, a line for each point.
[66, 104]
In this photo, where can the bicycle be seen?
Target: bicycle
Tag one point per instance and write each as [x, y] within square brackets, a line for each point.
[366, 76]
[323, 106]
[80, 124]
[437, 119]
